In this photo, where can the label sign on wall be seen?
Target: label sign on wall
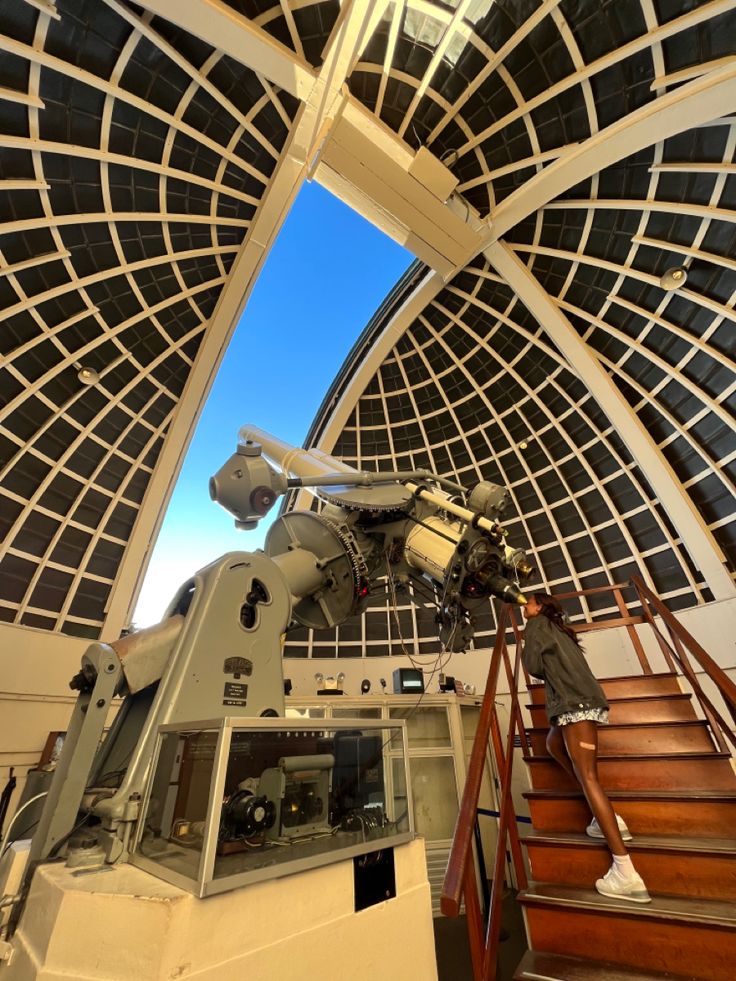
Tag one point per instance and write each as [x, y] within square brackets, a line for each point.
[235, 694]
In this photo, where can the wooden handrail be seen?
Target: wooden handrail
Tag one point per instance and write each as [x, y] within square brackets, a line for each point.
[592, 590]
[462, 841]
[715, 721]
[581, 628]
[506, 816]
[677, 657]
[725, 686]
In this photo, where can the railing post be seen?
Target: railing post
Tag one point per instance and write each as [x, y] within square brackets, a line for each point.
[633, 635]
[526, 745]
[687, 669]
[663, 645]
[725, 685]
[481, 856]
[506, 827]
[474, 920]
[462, 838]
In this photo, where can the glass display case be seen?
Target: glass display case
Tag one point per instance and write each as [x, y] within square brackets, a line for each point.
[241, 800]
[440, 729]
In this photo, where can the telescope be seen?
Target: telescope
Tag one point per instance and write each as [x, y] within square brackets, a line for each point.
[408, 526]
[217, 654]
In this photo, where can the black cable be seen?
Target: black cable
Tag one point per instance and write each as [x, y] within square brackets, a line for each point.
[63, 840]
[18, 837]
[5, 798]
[418, 521]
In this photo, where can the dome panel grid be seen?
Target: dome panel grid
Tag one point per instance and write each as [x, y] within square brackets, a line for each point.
[655, 358]
[141, 155]
[587, 65]
[140, 179]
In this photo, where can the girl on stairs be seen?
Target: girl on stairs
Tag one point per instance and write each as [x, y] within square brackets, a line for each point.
[576, 706]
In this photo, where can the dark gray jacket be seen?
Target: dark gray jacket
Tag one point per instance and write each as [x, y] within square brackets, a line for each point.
[569, 684]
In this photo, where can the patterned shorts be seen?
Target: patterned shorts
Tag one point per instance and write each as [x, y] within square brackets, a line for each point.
[583, 715]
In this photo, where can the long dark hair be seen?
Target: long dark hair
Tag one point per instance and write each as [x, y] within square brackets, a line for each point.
[555, 614]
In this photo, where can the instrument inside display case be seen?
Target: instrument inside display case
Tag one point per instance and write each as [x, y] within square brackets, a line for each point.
[245, 800]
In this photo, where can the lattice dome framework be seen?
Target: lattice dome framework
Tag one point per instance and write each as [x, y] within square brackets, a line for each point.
[547, 162]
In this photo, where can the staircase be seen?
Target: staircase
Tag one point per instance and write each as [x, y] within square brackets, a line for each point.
[666, 761]
[677, 793]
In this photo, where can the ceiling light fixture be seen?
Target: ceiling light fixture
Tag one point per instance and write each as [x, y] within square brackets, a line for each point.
[88, 376]
[673, 278]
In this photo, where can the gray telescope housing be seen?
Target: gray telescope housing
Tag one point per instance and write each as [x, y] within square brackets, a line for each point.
[424, 522]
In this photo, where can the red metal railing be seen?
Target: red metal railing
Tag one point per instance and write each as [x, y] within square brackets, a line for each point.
[461, 882]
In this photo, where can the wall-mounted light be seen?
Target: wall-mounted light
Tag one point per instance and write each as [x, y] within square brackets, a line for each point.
[88, 376]
[674, 278]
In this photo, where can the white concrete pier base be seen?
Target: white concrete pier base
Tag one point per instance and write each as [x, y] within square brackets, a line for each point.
[126, 925]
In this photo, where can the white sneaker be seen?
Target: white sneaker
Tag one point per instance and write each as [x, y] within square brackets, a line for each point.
[594, 829]
[618, 886]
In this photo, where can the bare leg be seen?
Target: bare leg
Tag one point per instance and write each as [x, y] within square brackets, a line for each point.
[556, 749]
[581, 743]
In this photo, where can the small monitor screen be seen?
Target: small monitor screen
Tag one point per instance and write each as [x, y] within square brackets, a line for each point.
[407, 681]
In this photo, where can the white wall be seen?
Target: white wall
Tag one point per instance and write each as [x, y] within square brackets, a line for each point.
[35, 698]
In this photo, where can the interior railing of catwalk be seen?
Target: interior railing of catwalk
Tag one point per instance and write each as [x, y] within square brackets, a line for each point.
[666, 761]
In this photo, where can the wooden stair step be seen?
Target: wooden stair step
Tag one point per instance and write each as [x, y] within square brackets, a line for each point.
[692, 937]
[708, 814]
[665, 683]
[539, 965]
[643, 738]
[637, 708]
[676, 866]
[668, 771]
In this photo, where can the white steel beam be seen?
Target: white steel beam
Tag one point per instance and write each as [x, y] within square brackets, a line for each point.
[237, 36]
[705, 211]
[323, 103]
[690, 18]
[685, 107]
[685, 74]
[517, 165]
[695, 535]
[388, 58]
[675, 247]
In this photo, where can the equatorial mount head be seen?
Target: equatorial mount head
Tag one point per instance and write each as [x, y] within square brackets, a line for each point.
[246, 485]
